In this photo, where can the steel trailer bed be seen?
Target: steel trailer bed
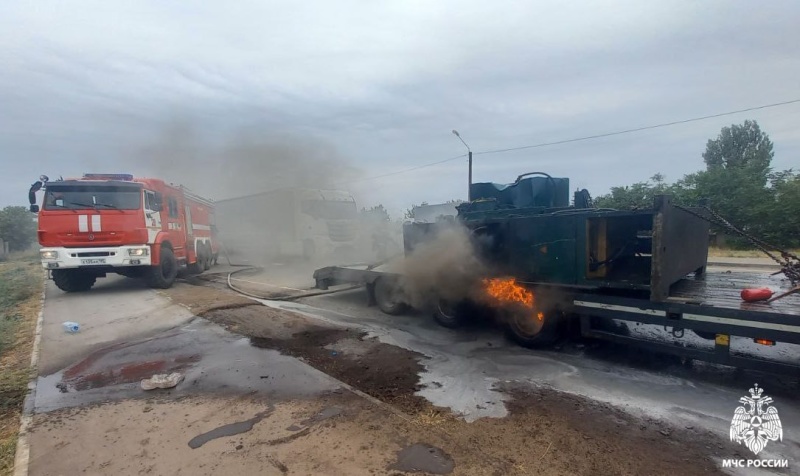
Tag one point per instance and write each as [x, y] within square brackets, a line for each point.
[709, 304]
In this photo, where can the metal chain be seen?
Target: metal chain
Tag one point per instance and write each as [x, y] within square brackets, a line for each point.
[789, 262]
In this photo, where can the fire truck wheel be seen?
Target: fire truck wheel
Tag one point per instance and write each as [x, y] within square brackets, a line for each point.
[389, 296]
[533, 330]
[199, 265]
[450, 315]
[163, 275]
[73, 280]
[207, 256]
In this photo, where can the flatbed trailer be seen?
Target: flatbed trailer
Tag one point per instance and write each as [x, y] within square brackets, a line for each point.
[544, 264]
[708, 305]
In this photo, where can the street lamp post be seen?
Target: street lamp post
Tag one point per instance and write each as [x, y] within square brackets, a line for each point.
[469, 177]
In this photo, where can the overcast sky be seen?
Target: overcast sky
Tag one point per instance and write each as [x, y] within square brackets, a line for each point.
[173, 88]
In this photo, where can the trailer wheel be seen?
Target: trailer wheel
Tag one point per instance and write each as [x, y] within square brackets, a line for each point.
[163, 275]
[450, 315]
[533, 329]
[389, 296]
[73, 280]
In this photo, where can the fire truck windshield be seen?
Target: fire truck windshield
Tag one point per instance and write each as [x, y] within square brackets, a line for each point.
[82, 197]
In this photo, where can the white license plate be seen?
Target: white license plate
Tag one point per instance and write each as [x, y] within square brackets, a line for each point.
[94, 261]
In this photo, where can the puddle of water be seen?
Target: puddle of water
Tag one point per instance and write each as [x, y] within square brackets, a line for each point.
[128, 372]
[227, 430]
[212, 360]
[422, 458]
[325, 414]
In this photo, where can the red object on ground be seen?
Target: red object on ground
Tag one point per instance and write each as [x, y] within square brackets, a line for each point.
[756, 294]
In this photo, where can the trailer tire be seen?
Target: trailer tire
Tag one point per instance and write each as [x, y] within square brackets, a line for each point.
[389, 296]
[527, 330]
[73, 280]
[163, 275]
[450, 315]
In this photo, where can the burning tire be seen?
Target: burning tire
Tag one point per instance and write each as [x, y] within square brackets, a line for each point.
[73, 280]
[533, 329]
[389, 296]
[163, 275]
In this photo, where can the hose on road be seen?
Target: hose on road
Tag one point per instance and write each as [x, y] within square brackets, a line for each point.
[282, 298]
[250, 267]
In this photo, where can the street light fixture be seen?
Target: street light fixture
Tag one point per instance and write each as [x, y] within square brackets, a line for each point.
[469, 179]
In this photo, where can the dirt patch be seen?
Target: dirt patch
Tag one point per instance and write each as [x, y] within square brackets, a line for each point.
[546, 432]
[549, 432]
[197, 296]
[386, 372]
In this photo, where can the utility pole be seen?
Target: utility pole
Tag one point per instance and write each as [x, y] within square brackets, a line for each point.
[469, 177]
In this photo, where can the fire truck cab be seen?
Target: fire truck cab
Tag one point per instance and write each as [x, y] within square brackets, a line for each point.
[115, 223]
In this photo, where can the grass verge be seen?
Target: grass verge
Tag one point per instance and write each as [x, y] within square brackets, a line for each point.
[731, 253]
[20, 290]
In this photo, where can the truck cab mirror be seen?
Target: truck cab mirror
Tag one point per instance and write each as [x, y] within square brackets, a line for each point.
[34, 208]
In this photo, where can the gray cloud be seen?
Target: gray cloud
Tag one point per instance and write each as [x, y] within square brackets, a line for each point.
[90, 85]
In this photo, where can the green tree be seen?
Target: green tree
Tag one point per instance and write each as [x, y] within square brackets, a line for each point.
[17, 227]
[738, 182]
[740, 146]
[781, 214]
[640, 194]
[736, 176]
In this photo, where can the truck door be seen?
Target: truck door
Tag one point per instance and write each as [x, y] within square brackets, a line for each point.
[176, 227]
[188, 215]
[152, 217]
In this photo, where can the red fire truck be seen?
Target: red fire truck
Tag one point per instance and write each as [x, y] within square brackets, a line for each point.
[115, 223]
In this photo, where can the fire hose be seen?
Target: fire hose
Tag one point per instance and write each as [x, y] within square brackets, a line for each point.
[250, 267]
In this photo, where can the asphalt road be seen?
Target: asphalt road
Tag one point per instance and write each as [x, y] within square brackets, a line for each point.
[129, 332]
[465, 369]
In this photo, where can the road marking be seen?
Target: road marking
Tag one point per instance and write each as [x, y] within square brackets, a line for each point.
[201, 227]
[614, 307]
[266, 284]
[23, 454]
[741, 323]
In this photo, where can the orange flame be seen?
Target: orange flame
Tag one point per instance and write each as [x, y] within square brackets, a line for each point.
[506, 290]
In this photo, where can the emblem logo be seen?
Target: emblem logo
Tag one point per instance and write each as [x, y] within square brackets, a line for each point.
[91, 237]
[756, 422]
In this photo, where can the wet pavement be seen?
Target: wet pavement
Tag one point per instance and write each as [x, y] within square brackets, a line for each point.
[214, 361]
[129, 333]
[423, 458]
[116, 309]
[468, 371]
